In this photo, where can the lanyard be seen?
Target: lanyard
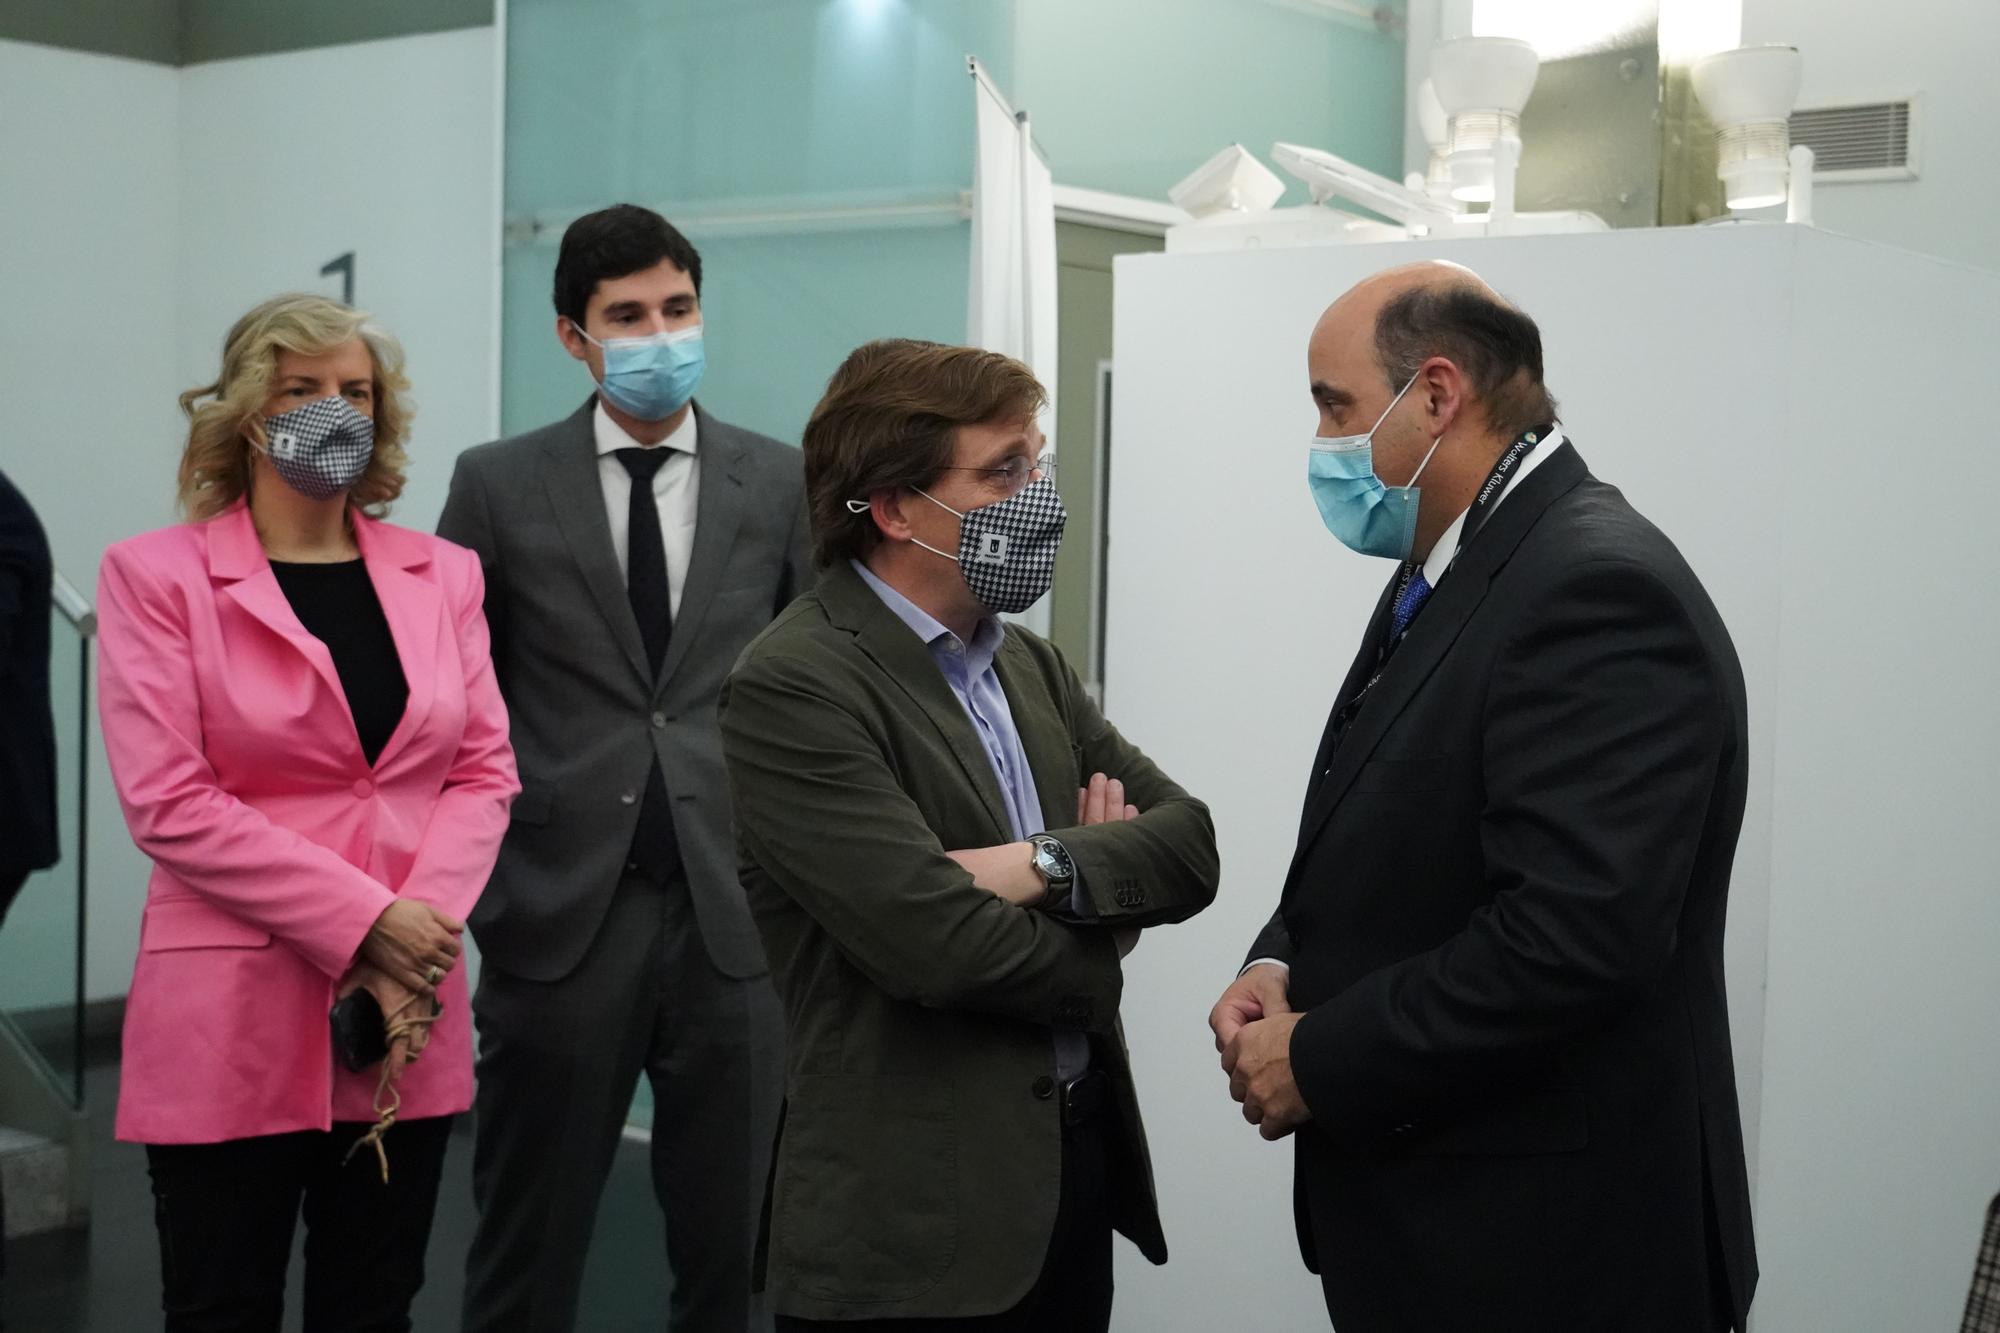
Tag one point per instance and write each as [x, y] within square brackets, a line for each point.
[1476, 516]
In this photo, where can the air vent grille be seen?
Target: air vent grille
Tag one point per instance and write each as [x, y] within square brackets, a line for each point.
[1865, 141]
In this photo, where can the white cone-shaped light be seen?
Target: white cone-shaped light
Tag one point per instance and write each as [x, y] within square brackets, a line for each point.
[1481, 83]
[1749, 93]
[1431, 120]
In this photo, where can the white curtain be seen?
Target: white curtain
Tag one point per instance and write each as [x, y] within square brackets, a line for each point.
[1011, 302]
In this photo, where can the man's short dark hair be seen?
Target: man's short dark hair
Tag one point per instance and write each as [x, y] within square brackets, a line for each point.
[890, 419]
[611, 243]
[1497, 346]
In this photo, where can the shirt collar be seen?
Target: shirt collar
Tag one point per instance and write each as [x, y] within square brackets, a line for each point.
[1440, 558]
[611, 436]
[985, 639]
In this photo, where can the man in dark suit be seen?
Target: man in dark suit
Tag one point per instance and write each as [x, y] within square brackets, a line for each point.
[948, 849]
[27, 728]
[631, 552]
[1490, 1003]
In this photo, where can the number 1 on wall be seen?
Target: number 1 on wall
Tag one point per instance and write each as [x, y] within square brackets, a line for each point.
[344, 266]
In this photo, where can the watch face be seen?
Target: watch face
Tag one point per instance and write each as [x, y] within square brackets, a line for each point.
[1053, 860]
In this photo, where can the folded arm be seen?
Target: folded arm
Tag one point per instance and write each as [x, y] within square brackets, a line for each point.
[821, 812]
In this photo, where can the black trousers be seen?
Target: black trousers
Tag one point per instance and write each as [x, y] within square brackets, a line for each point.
[226, 1212]
[1073, 1293]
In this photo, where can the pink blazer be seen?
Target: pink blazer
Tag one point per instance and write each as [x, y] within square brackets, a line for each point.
[274, 844]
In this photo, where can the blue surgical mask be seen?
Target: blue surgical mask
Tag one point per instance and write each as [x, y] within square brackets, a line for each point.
[1356, 507]
[652, 378]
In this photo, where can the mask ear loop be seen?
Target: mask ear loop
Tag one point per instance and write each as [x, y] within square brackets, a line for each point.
[1421, 466]
[1385, 416]
[863, 506]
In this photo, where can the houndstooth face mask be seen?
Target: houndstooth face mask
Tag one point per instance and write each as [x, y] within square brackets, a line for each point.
[320, 449]
[1007, 551]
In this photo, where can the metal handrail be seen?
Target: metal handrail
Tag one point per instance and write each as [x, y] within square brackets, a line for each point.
[81, 615]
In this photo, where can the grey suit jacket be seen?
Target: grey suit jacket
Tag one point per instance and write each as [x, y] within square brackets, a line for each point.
[588, 719]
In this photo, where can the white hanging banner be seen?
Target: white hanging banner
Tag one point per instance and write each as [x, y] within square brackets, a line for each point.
[1011, 300]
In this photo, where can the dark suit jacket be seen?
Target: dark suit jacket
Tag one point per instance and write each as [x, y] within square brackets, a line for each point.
[920, 1162]
[588, 717]
[27, 729]
[1504, 921]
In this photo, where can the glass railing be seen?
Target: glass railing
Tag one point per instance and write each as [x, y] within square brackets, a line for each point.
[42, 942]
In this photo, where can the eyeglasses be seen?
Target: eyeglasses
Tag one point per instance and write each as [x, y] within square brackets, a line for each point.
[1017, 471]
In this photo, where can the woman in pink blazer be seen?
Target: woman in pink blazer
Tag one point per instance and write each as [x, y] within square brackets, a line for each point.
[308, 741]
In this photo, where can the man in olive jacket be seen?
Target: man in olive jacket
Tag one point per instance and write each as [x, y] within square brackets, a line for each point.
[948, 850]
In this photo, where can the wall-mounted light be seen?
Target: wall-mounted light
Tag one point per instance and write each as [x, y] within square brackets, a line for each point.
[1749, 93]
[1482, 83]
[1691, 29]
[1431, 120]
[1562, 28]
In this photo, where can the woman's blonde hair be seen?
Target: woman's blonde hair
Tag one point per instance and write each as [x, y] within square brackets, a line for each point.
[215, 467]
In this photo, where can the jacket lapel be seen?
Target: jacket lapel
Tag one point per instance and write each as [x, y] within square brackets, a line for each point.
[718, 514]
[1357, 676]
[414, 607]
[1431, 636]
[570, 473]
[236, 560]
[906, 660]
[1044, 735]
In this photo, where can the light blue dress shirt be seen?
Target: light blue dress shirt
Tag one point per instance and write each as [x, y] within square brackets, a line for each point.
[968, 669]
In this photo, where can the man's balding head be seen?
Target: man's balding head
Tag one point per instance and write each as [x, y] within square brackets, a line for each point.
[1411, 313]
[1472, 364]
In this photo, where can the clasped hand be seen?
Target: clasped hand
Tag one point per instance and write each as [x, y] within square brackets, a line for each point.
[408, 940]
[1253, 1024]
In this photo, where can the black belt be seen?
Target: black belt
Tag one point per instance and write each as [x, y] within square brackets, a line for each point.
[1086, 1100]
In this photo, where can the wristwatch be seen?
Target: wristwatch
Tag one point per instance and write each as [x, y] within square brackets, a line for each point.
[1053, 861]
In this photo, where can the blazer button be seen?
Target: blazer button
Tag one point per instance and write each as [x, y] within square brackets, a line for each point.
[659, 721]
[1044, 1088]
[628, 798]
[363, 788]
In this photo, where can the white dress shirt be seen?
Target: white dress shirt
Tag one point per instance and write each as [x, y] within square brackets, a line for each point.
[1446, 549]
[1440, 558]
[676, 488]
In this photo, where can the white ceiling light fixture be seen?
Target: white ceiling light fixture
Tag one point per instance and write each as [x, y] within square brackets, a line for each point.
[1482, 83]
[1558, 29]
[1748, 93]
[1691, 29]
[1431, 120]
[1233, 181]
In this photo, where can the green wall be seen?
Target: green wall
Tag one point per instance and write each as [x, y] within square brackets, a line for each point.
[1131, 95]
[700, 107]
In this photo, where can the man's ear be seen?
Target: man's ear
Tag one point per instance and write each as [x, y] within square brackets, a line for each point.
[1444, 389]
[887, 507]
[571, 338]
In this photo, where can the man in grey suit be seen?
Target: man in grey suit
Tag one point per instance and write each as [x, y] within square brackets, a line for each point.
[631, 552]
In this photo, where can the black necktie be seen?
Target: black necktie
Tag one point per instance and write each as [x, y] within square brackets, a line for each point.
[646, 556]
[655, 847]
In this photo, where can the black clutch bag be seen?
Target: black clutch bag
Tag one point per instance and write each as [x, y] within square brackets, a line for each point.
[359, 1035]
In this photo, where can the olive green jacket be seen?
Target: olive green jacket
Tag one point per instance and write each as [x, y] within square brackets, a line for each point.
[920, 1161]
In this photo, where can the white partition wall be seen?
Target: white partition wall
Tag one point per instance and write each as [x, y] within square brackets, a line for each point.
[1790, 407]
